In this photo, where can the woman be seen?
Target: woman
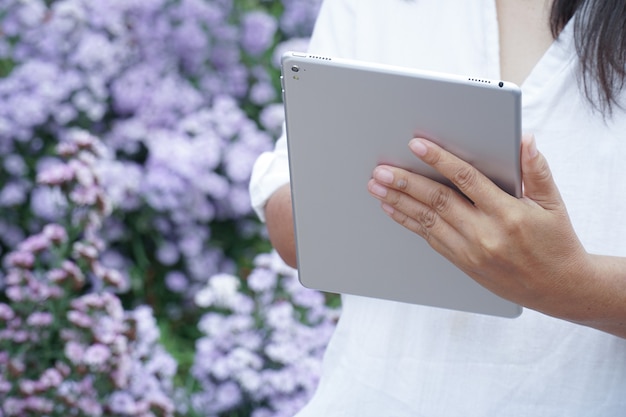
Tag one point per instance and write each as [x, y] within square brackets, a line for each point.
[566, 354]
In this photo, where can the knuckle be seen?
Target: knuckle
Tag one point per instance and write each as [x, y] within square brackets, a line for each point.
[513, 222]
[440, 199]
[427, 219]
[490, 248]
[426, 222]
[465, 177]
[516, 221]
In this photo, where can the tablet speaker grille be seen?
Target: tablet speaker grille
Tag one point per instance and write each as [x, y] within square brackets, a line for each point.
[320, 57]
[478, 80]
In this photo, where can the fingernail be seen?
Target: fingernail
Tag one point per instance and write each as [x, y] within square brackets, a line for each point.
[387, 208]
[383, 175]
[532, 147]
[418, 147]
[377, 189]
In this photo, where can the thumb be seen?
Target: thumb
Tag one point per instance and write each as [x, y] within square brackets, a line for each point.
[537, 178]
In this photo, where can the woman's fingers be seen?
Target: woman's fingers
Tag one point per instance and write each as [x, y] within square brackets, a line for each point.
[471, 182]
[425, 207]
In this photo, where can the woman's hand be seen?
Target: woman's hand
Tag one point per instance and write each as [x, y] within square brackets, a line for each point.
[524, 250]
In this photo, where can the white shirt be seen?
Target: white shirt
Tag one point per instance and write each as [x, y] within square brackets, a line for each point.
[390, 359]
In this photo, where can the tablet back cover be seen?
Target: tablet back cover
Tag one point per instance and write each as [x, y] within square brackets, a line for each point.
[345, 117]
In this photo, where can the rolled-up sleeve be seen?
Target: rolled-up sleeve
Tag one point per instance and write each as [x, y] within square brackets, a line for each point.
[333, 35]
[270, 172]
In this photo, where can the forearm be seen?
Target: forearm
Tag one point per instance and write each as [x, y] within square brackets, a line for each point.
[603, 303]
[279, 220]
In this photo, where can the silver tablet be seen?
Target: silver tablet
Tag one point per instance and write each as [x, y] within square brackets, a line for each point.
[343, 118]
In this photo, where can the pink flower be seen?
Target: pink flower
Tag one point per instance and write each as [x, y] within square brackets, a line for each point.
[51, 378]
[34, 244]
[6, 312]
[79, 319]
[21, 259]
[74, 351]
[27, 387]
[97, 355]
[39, 319]
[58, 174]
[57, 275]
[74, 272]
[67, 149]
[90, 407]
[15, 294]
[56, 233]
[85, 251]
[39, 405]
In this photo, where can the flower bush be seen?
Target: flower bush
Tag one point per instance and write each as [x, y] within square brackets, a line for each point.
[67, 346]
[262, 343]
[161, 107]
[183, 93]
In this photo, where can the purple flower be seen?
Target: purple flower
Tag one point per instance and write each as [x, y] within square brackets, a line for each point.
[280, 315]
[272, 118]
[14, 164]
[13, 194]
[284, 381]
[238, 354]
[176, 281]
[122, 403]
[239, 201]
[191, 43]
[258, 32]
[262, 280]
[299, 16]
[10, 234]
[47, 203]
[227, 396]
[168, 253]
[262, 93]
[182, 98]
[122, 183]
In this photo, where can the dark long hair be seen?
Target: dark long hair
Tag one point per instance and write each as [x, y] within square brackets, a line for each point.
[600, 38]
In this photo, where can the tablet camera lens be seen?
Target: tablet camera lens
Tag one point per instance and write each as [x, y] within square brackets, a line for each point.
[295, 68]
[500, 84]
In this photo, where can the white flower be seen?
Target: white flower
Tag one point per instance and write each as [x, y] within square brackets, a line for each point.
[221, 290]
[224, 285]
[204, 297]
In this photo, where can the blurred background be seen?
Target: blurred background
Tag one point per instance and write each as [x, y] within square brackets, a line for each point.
[135, 278]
